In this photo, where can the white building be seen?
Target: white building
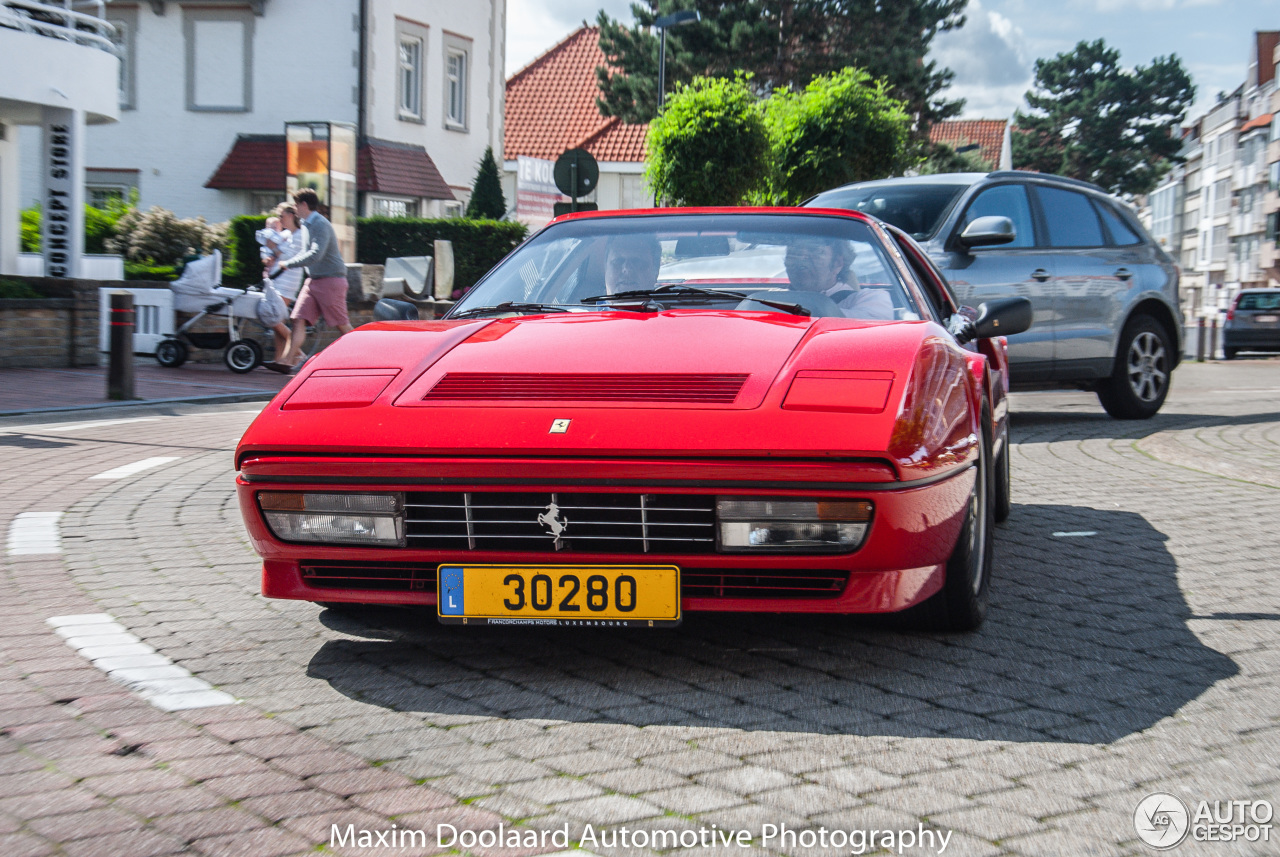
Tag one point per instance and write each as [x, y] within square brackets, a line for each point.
[74, 87]
[207, 85]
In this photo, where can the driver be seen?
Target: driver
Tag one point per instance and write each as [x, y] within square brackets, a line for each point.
[631, 262]
[823, 265]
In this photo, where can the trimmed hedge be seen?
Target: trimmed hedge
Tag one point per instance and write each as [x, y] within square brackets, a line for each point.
[478, 245]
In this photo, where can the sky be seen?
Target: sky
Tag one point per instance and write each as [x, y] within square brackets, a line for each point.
[994, 53]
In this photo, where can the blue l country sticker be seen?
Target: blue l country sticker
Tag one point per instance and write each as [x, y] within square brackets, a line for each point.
[450, 591]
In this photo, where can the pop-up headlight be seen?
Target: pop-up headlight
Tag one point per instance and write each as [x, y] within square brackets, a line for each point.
[376, 520]
[755, 524]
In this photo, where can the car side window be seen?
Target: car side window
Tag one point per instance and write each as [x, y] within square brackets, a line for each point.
[1006, 200]
[1070, 217]
[1121, 233]
[929, 282]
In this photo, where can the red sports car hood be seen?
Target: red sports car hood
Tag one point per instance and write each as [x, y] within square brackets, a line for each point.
[669, 384]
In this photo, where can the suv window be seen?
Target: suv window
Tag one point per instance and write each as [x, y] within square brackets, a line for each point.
[916, 209]
[1121, 233]
[1070, 217]
[1006, 200]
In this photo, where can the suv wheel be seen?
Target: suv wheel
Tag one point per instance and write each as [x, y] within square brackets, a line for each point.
[1140, 381]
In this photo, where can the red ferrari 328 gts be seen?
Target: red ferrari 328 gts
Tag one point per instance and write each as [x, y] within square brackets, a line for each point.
[640, 414]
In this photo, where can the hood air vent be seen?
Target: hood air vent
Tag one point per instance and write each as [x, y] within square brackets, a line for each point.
[587, 387]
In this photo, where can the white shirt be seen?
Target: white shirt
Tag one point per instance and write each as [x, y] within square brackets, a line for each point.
[871, 304]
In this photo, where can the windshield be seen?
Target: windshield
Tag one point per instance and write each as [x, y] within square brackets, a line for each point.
[801, 264]
[917, 209]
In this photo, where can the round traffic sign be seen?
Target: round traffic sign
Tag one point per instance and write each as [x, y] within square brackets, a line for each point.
[576, 173]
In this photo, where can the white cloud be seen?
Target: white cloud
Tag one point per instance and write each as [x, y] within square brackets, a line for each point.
[533, 26]
[988, 55]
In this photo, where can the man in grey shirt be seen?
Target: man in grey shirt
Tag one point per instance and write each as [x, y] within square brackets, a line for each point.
[325, 294]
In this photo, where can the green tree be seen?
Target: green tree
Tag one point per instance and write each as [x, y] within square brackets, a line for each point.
[784, 44]
[487, 201]
[1095, 121]
[844, 127]
[709, 146]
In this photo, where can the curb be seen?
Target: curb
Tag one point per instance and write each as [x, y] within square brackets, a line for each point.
[226, 398]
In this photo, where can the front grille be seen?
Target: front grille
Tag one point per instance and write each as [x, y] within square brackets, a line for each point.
[762, 583]
[588, 522]
[382, 576]
[694, 582]
[588, 387]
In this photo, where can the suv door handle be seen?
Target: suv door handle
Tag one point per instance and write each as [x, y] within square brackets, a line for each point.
[1124, 274]
[1040, 275]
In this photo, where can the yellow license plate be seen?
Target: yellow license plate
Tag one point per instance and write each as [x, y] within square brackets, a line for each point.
[587, 595]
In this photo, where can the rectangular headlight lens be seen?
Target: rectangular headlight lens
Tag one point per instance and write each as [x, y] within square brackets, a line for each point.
[784, 524]
[344, 519]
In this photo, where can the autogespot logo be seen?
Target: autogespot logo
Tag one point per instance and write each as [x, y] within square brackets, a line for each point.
[1162, 820]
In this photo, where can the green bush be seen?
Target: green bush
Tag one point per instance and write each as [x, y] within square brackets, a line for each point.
[145, 271]
[241, 263]
[17, 290]
[478, 245]
[99, 225]
[709, 145]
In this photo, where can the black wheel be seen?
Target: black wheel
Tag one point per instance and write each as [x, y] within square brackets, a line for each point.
[961, 604]
[243, 355]
[171, 353]
[1144, 363]
[1229, 353]
[1002, 491]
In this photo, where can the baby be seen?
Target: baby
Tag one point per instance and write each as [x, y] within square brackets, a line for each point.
[271, 238]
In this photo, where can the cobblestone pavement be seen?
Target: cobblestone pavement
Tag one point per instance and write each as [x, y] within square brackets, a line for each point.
[1141, 657]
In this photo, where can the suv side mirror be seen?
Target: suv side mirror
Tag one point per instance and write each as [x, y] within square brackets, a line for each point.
[999, 317]
[987, 232]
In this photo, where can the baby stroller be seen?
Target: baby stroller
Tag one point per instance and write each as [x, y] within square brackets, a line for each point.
[199, 291]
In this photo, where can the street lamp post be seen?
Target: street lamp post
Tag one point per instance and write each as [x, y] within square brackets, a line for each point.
[675, 19]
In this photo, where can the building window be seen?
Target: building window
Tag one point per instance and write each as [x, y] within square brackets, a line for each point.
[384, 206]
[1221, 197]
[1220, 239]
[104, 196]
[219, 46]
[410, 78]
[456, 74]
[451, 209]
[265, 201]
[125, 22]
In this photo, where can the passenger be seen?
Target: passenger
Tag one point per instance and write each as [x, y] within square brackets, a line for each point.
[631, 262]
[822, 265]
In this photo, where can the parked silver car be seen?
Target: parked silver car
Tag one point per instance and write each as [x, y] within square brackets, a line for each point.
[1104, 294]
[1253, 322]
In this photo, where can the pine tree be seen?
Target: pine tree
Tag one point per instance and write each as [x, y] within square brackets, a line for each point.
[487, 201]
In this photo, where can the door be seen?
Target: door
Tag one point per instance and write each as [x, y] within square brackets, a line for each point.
[1021, 268]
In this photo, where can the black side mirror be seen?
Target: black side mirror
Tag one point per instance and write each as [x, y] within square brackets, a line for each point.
[391, 310]
[987, 232]
[999, 317]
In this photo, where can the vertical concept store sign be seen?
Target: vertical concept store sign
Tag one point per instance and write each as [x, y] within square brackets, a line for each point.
[63, 227]
[536, 191]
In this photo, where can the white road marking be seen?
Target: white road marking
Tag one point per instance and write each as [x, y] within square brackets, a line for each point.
[33, 533]
[1073, 534]
[47, 427]
[128, 660]
[137, 467]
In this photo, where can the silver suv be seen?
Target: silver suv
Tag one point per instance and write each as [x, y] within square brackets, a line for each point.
[1104, 295]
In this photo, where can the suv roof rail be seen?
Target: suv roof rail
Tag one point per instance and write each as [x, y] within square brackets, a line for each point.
[1009, 174]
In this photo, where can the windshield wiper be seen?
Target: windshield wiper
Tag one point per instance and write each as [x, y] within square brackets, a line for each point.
[509, 306]
[662, 291]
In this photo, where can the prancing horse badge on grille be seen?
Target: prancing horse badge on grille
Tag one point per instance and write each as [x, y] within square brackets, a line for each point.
[559, 426]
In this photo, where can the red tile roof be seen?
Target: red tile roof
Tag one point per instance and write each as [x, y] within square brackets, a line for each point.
[1257, 122]
[551, 106]
[257, 162]
[988, 134]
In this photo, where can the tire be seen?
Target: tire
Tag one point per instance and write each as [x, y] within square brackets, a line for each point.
[961, 604]
[171, 353]
[1144, 365]
[1002, 490]
[243, 355]
[1229, 353]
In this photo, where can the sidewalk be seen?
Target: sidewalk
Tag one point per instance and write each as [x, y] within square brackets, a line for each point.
[35, 390]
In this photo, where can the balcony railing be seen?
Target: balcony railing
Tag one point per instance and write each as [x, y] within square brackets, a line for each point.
[59, 20]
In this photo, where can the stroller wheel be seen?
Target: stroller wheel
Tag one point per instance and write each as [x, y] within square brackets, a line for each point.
[171, 353]
[243, 355]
